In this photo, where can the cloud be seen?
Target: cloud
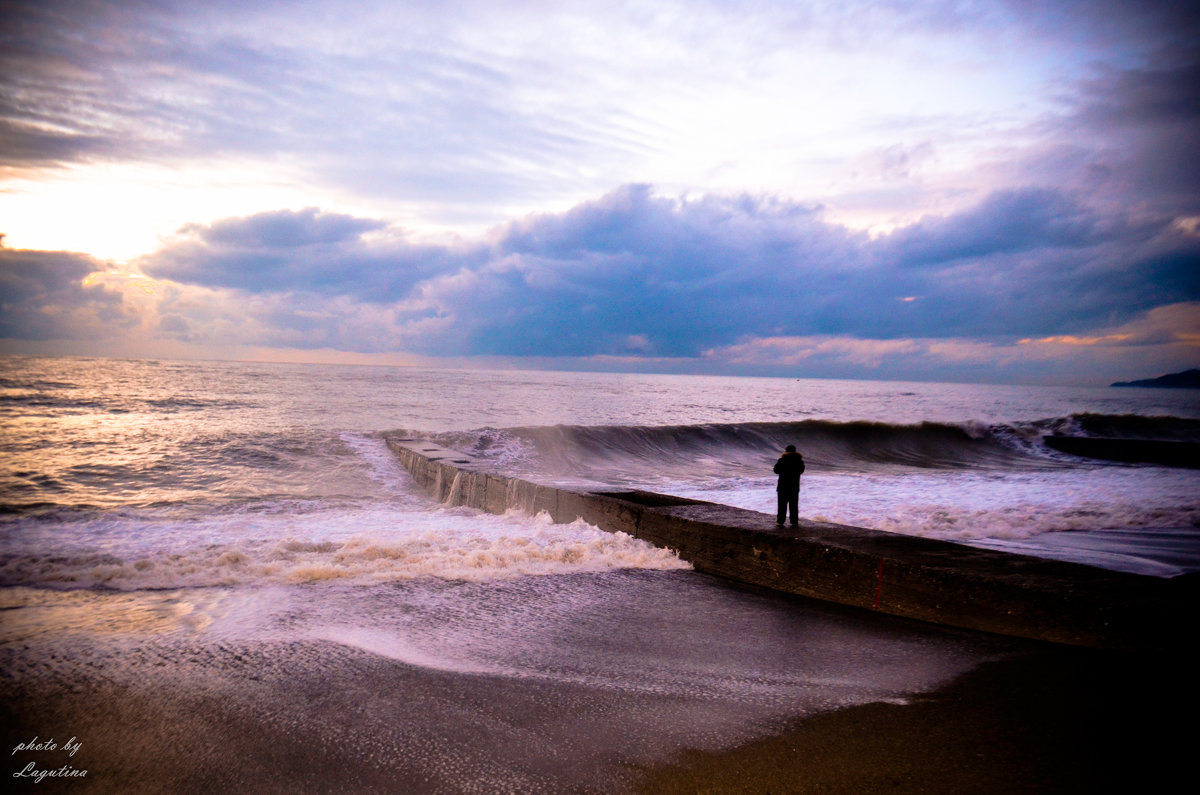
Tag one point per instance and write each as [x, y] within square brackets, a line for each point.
[1122, 135]
[736, 283]
[1174, 324]
[688, 275]
[633, 272]
[1158, 27]
[1165, 339]
[467, 111]
[793, 351]
[48, 295]
[421, 104]
[1025, 170]
[28, 145]
[629, 270]
[287, 251]
[677, 274]
[1006, 222]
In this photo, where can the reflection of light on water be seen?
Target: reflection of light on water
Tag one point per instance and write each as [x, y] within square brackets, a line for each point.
[636, 632]
[30, 611]
[632, 631]
[571, 676]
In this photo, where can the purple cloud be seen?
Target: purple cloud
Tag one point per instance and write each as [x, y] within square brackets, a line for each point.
[43, 295]
[286, 251]
[683, 276]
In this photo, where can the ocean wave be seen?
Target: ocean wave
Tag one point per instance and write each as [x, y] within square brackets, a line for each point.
[58, 399]
[205, 470]
[739, 448]
[1024, 521]
[447, 544]
[1134, 426]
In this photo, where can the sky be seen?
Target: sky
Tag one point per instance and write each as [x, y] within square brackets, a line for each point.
[1002, 192]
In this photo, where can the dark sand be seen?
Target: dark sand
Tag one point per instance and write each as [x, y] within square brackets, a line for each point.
[1057, 720]
[182, 712]
[1051, 721]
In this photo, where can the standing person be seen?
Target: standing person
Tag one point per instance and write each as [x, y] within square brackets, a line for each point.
[789, 468]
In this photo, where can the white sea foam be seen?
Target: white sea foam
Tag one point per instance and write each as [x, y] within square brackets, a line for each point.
[400, 534]
[967, 505]
[1027, 521]
[1142, 519]
[286, 455]
[365, 545]
[382, 465]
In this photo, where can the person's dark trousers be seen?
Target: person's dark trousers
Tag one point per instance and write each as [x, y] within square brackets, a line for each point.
[788, 501]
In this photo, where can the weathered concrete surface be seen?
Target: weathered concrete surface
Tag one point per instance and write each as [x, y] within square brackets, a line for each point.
[919, 578]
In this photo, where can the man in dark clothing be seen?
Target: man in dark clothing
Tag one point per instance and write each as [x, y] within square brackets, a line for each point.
[789, 468]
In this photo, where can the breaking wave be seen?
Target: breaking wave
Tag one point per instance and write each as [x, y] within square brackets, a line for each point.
[744, 448]
[448, 544]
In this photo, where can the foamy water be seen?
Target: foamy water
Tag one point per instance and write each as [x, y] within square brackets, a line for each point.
[159, 475]
[358, 546]
[401, 536]
[994, 485]
[195, 547]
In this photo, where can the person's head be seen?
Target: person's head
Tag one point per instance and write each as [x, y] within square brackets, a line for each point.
[791, 448]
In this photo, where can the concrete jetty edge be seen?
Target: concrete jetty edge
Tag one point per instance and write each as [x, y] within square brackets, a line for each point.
[920, 578]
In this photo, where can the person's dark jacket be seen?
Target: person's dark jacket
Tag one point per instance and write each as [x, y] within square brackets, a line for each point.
[789, 468]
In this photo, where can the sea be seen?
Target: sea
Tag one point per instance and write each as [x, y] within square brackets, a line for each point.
[216, 572]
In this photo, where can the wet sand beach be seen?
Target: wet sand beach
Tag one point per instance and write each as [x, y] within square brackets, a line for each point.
[1054, 720]
[1051, 721]
[181, 712]
[540, 692]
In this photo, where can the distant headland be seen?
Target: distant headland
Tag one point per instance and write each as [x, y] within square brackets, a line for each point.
[1188, 379]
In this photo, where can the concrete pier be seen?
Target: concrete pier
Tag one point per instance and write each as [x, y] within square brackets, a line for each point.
[918, 578]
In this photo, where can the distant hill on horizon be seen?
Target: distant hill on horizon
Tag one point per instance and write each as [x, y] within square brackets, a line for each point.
[1188, 379]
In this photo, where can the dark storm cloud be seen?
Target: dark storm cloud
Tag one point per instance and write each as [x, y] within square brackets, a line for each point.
[43, 296]
[633, 273]
[1148, 120]
[1036, 259]
[1006, 222]
[632, 270]
[683, 276]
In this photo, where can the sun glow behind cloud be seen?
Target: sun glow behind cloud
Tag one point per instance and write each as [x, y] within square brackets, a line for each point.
[840, 187]
[118, 211]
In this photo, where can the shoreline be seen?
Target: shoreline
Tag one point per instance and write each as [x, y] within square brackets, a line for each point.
[195, 714]
[1054, 720]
